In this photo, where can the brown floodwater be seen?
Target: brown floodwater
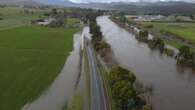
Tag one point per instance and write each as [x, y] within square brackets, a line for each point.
[62, 88]
[173, 86]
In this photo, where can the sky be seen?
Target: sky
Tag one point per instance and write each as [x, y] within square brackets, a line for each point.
[102, 1]
[108, 1]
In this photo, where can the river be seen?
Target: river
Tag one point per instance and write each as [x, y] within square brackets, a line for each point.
[173, 86]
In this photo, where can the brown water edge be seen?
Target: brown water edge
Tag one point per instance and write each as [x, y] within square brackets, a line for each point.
[174, 87]
[62, 88]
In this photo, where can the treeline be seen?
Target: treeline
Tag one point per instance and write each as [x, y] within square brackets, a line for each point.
[98, 42]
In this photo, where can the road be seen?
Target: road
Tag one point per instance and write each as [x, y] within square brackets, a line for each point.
[98, 94]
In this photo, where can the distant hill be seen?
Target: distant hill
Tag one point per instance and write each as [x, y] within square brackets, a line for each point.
[66, 3]
[170, 7]
[148, 8]
[21, 2]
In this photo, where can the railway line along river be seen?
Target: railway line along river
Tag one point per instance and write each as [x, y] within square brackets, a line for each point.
[173, 86]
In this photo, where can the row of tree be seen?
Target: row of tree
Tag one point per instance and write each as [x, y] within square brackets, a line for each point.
[97, 38]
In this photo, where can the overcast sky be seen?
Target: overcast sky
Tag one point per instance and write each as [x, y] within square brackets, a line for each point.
[79, 1]
[104, 1]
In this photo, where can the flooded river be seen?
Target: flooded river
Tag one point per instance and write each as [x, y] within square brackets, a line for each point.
[62, 88]
[174, 87]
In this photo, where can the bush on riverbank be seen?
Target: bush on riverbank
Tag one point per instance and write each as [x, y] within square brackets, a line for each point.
[99, 46]
[156, 43]
[124, 94]
[169, 52]
[185, 56]
[143, 35]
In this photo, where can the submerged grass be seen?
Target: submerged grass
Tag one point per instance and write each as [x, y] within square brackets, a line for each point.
[76, 102]
[177, 45]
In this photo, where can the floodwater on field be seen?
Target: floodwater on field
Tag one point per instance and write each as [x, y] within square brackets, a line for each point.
[62, 88]
[173, 86]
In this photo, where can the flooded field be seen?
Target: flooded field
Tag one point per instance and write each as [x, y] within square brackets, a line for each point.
[62, 88]
[174, 87]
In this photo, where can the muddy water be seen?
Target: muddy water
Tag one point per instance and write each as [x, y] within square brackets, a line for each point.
[62, 88]
[174, 87]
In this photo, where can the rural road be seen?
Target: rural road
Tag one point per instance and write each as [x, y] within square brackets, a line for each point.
[98, 95]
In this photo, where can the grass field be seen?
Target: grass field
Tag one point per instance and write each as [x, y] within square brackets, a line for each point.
[14, 17]
[184, 30]
[30, 59]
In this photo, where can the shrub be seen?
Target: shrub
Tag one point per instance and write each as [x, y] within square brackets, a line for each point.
[143, 35]
[185, 56]
[149, 26]
[157, 43]
[118, 74]
[100, 45]
[169, 52]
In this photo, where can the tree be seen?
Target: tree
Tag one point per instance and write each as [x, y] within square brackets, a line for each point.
[54, 12]
[118, 74]
[122, 81]
[184, 52]
[192, 17]
[157, 43]
[65, 16]
[124, 94]
[95, 31]
[143, 35]
[185, 56]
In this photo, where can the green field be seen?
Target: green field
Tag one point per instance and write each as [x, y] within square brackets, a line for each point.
[30, 58]
[184, 30]
[14, 17]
